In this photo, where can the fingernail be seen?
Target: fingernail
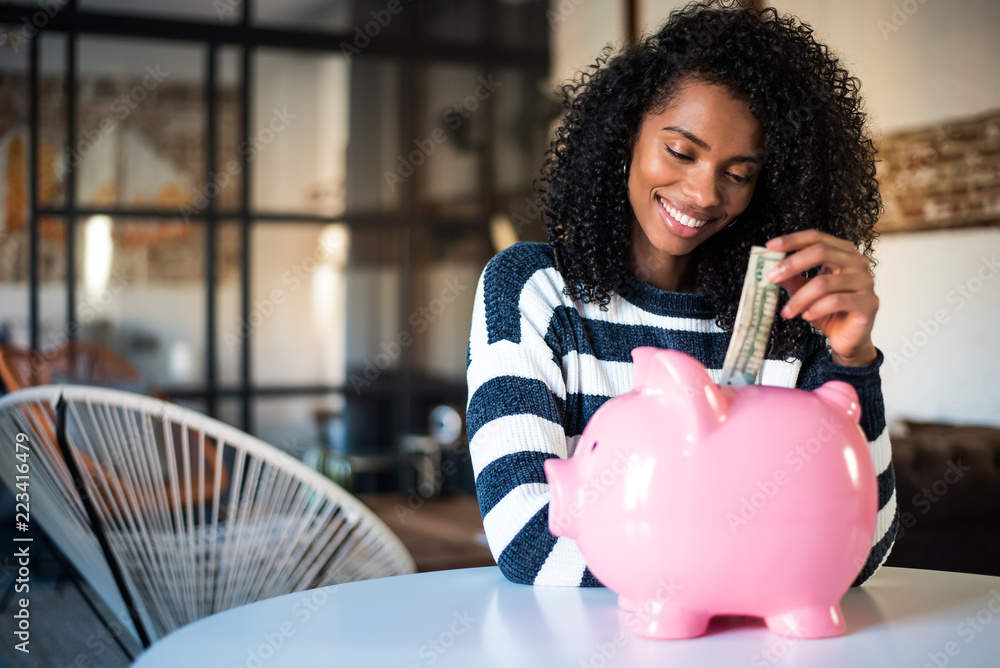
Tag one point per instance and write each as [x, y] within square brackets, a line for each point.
[774, 274]
[786, 312]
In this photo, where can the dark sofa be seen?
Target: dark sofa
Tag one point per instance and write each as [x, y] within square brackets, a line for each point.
[948, 493]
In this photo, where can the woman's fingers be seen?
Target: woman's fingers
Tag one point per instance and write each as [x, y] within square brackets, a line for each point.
[833, 259]
[798, 240]
[811, 291]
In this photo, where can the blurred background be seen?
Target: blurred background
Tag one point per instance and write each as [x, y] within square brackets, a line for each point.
[277, 210]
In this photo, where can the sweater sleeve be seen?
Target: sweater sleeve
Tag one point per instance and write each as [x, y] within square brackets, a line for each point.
[819, 368]
[517, 399]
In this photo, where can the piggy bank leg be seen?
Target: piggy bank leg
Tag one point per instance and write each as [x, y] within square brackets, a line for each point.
[625, 603]
[816, 622]
[653, 621]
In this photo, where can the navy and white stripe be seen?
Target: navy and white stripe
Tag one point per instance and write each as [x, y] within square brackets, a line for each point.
[540, 365]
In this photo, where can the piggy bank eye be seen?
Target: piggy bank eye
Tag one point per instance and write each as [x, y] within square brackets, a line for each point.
[593, 446]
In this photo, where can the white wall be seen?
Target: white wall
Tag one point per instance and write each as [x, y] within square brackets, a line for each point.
[938, 324]
[580, 31]
[937, 62]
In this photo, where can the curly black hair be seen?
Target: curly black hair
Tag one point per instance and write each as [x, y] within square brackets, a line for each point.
[819, 163]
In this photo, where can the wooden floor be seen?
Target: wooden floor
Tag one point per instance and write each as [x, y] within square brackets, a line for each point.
[441, 533]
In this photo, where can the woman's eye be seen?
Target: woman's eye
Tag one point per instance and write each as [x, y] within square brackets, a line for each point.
[679, 156]
[742, 180]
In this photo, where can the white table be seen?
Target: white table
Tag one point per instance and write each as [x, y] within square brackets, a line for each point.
[475, 618]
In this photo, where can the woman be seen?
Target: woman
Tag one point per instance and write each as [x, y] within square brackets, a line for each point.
[725, 129]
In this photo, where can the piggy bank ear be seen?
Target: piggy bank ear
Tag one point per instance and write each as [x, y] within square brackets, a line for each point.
[642, 359]
[841, 395]
[681, 380]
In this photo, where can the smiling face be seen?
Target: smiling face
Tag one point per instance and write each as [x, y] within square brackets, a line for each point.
[694, 168]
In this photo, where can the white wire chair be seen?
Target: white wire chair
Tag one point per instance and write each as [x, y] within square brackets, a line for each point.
[197, 516]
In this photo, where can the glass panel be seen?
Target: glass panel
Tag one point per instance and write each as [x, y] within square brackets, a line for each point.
[374, 351]
[453, 20]
[141, 124]
[228, 165]
[447, 265]
[299, 425]
[52, 305]
[54, 166]
[141, 293]
[378, 341]
[228, 410]
[524, 22]
[445, 161]
[229, 336]
[314, 115]
[308, 14]
[52, 289]
[373, 146]
[298, 313]
[197, 405]
[520, 134]
[13, 186]
[222, 11]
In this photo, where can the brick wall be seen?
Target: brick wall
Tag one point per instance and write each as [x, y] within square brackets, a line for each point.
[941, 176]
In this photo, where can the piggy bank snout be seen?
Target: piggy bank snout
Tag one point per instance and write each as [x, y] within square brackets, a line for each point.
[561, 474]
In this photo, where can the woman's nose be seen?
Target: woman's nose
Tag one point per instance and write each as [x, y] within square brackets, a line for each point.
[702, 188]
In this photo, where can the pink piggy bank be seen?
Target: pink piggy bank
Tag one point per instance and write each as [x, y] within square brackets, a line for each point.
[692, 500]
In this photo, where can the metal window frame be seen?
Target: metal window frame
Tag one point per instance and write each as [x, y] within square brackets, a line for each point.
[408, 51]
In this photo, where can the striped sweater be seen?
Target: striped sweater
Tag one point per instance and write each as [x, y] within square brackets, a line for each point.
[540, 364]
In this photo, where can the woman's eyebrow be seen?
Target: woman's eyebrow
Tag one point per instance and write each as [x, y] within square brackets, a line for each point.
[687, 134]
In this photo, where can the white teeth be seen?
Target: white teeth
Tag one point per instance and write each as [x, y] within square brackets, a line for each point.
[684, 220]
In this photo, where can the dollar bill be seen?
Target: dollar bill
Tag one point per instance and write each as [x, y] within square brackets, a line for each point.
[754, 318]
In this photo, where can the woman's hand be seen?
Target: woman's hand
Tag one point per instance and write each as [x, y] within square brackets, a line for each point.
[840, 301]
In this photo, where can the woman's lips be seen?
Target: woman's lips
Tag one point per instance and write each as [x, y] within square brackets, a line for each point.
[680, 224]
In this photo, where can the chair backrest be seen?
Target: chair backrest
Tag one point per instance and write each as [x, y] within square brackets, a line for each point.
[86, 363]
[278, 527]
